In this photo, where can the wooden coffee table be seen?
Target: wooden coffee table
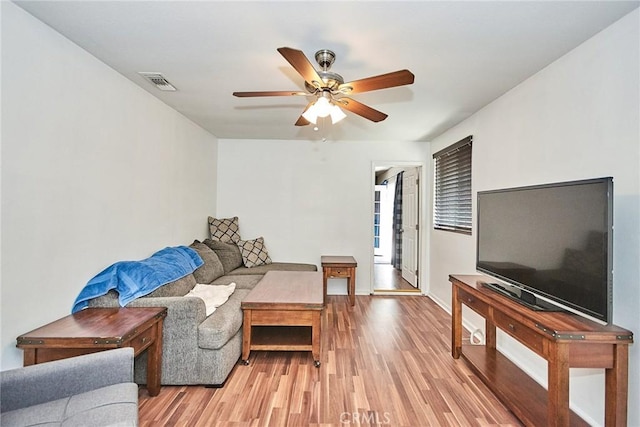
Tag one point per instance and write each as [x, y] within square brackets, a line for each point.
[97, 329]
[283, 313]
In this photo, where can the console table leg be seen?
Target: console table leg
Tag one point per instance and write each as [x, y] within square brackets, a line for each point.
[490, 334]
[456, 324]
[616, 379]
[558, 385]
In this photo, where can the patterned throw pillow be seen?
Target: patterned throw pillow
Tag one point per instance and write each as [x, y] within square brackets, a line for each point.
[254, 252]
[224, 229]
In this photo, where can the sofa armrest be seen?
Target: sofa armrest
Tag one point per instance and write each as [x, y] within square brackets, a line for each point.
[179, 335]
[184, 314]
[187, 312]
[32, 385]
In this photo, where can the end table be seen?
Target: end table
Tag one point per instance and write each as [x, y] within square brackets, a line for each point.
[340, 267]
[95, 329]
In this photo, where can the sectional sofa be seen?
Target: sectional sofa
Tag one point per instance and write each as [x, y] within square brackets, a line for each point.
[196, 348]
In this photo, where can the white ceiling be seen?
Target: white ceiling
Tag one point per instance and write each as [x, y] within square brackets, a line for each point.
[464, 54]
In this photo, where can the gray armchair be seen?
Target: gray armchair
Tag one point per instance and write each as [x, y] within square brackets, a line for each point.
[95, 389]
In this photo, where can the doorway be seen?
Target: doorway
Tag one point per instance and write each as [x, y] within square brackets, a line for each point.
[396, 241]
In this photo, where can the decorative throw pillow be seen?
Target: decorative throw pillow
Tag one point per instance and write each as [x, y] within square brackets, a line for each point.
[228, 253]
[254, 252]
[212, 267]
[224, 229]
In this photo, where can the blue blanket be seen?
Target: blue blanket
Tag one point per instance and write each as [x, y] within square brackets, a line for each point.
[133, 279]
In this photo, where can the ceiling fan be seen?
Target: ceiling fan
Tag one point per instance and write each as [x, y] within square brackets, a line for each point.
[330, 90]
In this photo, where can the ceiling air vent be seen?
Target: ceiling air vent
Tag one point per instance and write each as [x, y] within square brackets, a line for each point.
[158, 81]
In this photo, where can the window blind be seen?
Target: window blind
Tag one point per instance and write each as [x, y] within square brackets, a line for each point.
[452, 202]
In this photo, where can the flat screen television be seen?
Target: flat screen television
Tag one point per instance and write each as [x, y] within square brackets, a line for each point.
[550, 246]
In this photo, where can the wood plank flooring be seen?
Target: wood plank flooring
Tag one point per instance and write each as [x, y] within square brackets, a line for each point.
[386, 361]
[387, 278]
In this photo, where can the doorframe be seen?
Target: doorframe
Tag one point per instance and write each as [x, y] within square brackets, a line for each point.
[423, 247]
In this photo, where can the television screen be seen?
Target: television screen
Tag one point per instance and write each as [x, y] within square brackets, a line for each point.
[552, 241]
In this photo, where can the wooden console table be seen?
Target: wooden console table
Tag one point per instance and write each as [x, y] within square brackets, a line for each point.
[97, 329]
[564, 340]
[343, 267]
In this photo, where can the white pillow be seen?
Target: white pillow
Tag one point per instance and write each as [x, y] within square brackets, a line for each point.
[212, 295]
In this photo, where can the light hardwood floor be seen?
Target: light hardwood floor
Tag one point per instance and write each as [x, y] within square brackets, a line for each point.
[387, 278]
[385, 361]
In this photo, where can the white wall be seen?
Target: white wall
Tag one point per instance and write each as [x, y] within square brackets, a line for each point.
[94, 170]
[308, 198]
[578, 118]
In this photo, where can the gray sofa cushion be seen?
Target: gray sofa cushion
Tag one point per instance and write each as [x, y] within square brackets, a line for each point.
[229, 254]
[223, 324]
[242, 282]
[108, 300]
[111, 405]
[277, 266]
[212, 267]
[179, 288]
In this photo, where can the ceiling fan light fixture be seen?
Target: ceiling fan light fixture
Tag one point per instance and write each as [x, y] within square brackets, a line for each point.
[311, 115]
[336, 114]
[322, 107]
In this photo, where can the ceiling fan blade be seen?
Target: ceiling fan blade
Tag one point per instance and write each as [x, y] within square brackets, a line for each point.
[383, 81]
[269, 93]
[361, 109]
[301, 64]
[301, 120]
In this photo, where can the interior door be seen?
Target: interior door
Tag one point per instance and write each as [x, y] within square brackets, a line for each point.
[410, 226]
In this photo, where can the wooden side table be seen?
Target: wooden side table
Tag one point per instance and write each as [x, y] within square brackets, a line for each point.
[340, 267]
[97, 329]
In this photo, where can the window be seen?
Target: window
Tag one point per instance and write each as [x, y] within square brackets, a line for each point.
[452, 201]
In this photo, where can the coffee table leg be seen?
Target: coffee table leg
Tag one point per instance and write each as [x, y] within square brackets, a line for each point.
[325, 276]
[246, 336]
[315, 337]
